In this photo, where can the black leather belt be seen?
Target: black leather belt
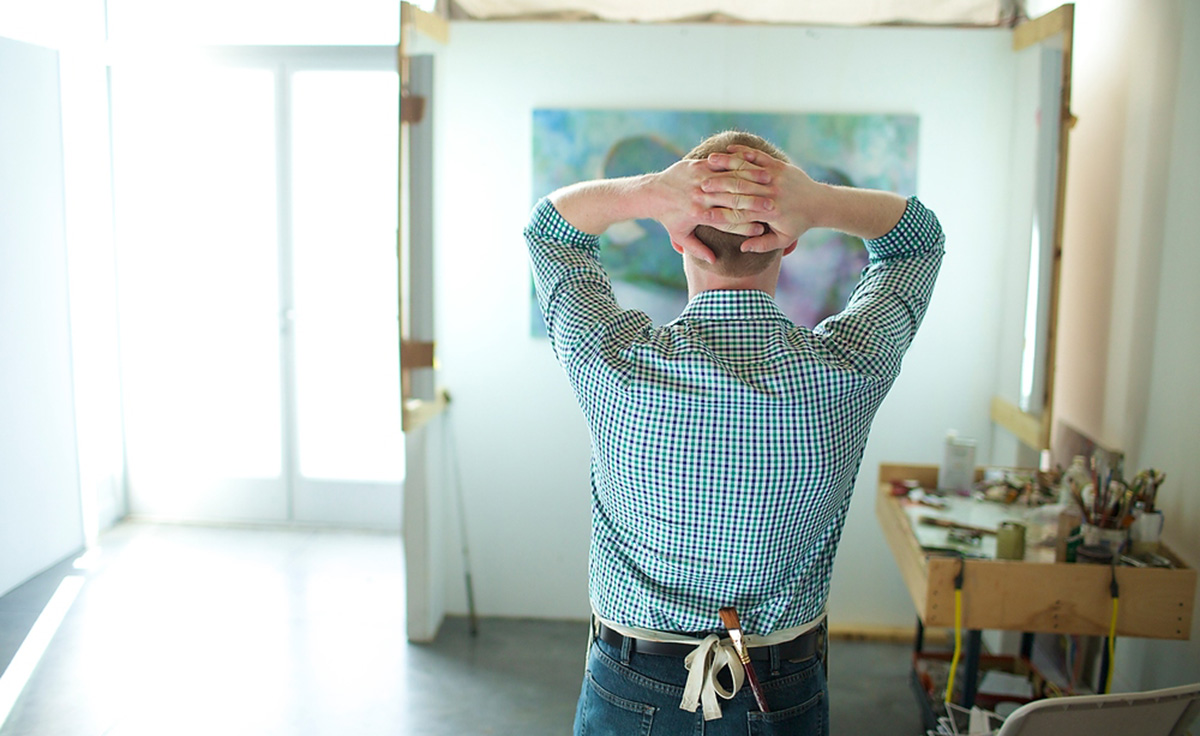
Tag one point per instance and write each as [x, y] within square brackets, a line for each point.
[809, 644]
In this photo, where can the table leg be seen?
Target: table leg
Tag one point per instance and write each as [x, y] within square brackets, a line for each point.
[1027, 646]
[1101, 686]
[928, 717]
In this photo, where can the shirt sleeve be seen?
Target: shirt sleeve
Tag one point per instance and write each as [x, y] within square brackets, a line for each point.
[891, 297]
[573, 291]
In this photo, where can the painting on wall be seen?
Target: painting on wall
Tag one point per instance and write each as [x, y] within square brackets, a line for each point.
[871, 151]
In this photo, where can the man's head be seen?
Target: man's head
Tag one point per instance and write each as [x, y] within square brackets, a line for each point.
[731, 261]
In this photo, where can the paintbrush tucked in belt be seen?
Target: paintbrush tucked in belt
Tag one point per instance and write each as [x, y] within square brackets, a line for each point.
[729, 617]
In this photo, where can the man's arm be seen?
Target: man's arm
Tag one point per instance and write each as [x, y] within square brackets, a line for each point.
[892, 295]
[904, 243]
[864, 213]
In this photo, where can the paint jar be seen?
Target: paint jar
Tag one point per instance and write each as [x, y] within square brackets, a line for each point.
[1010, 541]
[1111, 539]
[1094, 554]
[1146, 531]
[957, 472]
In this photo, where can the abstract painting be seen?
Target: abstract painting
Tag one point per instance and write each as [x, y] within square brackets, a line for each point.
[871, 151]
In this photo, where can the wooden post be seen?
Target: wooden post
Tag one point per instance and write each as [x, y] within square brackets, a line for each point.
[414, 354]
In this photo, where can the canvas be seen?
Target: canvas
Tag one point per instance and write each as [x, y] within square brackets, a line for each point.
[873, 151]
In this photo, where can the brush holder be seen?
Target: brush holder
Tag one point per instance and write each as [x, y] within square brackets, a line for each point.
[1111, 539]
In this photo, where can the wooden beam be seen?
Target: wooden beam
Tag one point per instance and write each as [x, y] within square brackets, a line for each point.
[897, 530]
[427, 24]
[1036, 30]
[419, 412]
[926, 475]
[1063, 599]
[416, 354]
[1066, 124]
[401, 224]
[412, 108]
[1028, 428]
[888, 634]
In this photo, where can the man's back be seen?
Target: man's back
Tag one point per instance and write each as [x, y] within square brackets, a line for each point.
[725, 444]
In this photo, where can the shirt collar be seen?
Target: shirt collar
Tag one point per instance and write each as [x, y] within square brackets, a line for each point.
[749, 304]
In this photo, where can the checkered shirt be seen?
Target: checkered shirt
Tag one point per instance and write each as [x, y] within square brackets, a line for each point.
[725, 444]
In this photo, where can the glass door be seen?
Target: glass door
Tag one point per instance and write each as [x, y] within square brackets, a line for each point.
[198, 291]
[256, 215]
[349, 449]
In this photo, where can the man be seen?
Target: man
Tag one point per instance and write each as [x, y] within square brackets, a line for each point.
[724, 444]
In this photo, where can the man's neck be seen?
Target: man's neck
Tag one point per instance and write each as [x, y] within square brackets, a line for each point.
[700, 280]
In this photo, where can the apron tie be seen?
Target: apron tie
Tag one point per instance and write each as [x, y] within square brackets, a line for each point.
[705, 662]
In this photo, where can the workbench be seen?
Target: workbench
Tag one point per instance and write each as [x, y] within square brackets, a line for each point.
[1034, 595]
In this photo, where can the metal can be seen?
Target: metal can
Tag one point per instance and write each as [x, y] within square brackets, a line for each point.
[1010, 541]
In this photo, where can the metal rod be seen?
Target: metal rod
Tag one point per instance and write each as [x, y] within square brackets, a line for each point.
[452, 449]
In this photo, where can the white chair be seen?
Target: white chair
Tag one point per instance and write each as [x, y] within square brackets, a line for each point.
[1166, 712]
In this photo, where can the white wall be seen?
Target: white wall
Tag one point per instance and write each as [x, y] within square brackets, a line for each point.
[1129, 343]
[40, 517]
[1172, 413]
[523, 442]
[76, 29]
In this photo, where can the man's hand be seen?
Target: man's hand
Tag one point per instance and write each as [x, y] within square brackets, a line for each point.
[726, 195]
[792, 195]
[798, 204]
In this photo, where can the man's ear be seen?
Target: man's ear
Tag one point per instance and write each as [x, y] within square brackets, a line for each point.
[790, 248]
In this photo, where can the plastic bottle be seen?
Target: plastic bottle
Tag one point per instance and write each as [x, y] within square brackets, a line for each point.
[957, 472]
[1073, 481]
[1070, 492]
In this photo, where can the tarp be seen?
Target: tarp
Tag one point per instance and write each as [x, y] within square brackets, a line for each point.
[811, 12]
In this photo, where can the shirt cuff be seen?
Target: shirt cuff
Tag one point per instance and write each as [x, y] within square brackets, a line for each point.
[917, 231]
[546, 223]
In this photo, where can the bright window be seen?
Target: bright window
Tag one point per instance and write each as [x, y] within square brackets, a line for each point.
[344, 194]
[195, 170]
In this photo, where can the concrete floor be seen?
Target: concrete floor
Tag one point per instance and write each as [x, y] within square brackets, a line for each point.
[191, 630]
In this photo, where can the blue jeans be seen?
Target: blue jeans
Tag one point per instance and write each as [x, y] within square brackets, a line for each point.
[630, 694]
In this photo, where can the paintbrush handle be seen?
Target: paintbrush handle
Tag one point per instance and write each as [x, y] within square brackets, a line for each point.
[733, 625]
[950, 524]
[752, 678]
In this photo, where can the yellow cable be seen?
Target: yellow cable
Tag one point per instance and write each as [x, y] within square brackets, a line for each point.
[957, 643]
[1112, 648]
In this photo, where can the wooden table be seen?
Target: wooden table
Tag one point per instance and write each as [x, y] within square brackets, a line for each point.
[1027, 596]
